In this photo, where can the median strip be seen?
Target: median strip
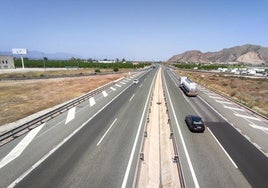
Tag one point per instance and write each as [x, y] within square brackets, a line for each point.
[157, 168]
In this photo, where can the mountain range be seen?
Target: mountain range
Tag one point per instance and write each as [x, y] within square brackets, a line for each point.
[247, 54]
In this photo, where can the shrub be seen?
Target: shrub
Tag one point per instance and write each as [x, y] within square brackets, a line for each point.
[116, 69]
[233, 86]
[97, 70]
[224, 84]
[233, 93]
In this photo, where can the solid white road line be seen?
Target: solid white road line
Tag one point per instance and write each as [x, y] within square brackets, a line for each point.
[233, 108]
[92, 101]
[118, 85]
[21, 177]
[113, 89]
[222, 148]
[183, 142]
[136, 139]
[131, 97]
[106, 132]
[223, 102]
[14, 153]
[247, 117]
[257, 146]
[104, 93]
[70, 115]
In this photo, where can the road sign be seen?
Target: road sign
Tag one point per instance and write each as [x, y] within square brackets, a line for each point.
[21, 51]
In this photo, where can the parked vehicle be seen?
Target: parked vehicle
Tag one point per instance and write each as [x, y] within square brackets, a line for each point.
[195, 123]
[188, 86]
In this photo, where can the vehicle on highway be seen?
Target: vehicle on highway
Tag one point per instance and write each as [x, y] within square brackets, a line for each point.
[195, 123]
[135, 81]
[188, 86]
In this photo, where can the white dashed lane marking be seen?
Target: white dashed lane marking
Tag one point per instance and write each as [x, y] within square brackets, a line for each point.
[118, 85]
[122, 82]
[223, 102]
[92, 101]
[70, 115]
[215, 97]
[132, 97]
[259, 127]
[106, 132]
[247, 117]
[104, 93]
[113, 89]
[233, 108]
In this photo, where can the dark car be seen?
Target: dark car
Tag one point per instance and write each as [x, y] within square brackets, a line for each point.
[195, 123]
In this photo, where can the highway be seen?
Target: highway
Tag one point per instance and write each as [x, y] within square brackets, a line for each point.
[221, 156]
[91, 150]
[97, 143]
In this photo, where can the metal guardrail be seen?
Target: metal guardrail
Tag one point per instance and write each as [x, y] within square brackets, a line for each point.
[175, 76]
[141, 149]
[24, 128]
[176, 158]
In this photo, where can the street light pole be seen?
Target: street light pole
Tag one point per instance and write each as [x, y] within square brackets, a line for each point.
[44, 62]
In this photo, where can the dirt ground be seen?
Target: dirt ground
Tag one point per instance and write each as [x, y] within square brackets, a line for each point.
[21, 98]
[252, 92]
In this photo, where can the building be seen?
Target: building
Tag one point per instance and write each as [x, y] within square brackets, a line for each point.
[106, 61]
[6, 62]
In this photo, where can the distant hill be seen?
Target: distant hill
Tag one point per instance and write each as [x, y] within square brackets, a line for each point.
[249, 54]
[40, 55]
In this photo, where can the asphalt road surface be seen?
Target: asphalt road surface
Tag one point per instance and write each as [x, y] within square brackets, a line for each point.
[96, 144]
[90, 146]
[221, 156]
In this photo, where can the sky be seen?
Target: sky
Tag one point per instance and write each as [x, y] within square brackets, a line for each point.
[151, 30]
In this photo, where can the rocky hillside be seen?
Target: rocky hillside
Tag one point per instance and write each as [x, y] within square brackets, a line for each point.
[249, 54]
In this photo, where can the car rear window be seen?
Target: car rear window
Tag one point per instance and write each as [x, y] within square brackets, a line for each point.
[198, 122]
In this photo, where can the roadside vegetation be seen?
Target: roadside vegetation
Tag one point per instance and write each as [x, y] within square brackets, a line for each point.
[22, 98]
[201, 66]
[209, 67]
[77, 63]
[67, 68]
[22, 95]
[251, 92]
[56, 73]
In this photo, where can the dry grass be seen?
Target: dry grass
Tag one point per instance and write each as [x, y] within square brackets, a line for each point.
[19, 99]
[44, 73]
[248, 91]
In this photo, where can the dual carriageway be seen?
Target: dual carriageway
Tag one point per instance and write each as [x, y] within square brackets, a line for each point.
[97, 143]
